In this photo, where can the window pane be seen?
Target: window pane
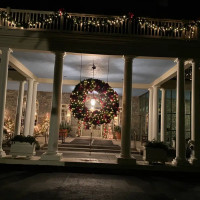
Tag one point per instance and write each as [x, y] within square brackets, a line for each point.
[168, 136]
[173, 101]
[173, 105]
[168, 101]
[147, 102]
[168, 105]
[187, 102]
[169, 122]
[187, 122]
[187, 106]
[173, 134]
[168, 94]
[143, 125]
[173, 122]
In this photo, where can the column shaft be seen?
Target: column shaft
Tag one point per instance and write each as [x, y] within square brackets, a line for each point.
[3, 88]
[195, 129]
[52, 153]
[126, 109]
[28, 107]
[150, 132]
[155, 113]
[34, 98]
[180, 115]
[163, 116]
[19, 108]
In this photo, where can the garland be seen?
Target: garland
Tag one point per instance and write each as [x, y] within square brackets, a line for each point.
[186, 26]
[108, 100]
[48, 19]
[117, 21]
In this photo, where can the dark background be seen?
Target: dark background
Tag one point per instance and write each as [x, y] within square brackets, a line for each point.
[143, 8]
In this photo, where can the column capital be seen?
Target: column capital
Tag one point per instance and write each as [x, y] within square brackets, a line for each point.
[35, 82]
[9, 50]
[29, 79]
[129, 57]
[150, 89]
[180, 60]
[156, 86]
[60, 54]
[23, 81]
[196, 61]
[162, 89]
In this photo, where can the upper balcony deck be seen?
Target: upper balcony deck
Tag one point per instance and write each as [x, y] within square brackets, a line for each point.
[97, 24]
[98, 34]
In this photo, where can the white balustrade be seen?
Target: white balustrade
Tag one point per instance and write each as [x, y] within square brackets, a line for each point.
[101, 24]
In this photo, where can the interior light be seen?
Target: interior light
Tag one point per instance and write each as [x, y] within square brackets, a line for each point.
[93, 102]
[92, 109]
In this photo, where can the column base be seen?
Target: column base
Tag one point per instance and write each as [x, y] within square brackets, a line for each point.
[194, 161]
[126, 161]
[51, 156]
[2, 153]
[180, 162]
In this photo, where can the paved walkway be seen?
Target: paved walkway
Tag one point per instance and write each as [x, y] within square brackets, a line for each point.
[40, 185]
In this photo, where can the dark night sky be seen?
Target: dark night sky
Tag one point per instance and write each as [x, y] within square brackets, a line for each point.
[146, 8]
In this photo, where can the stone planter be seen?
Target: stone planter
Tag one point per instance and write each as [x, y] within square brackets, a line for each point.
[22, 149]
[154, 155]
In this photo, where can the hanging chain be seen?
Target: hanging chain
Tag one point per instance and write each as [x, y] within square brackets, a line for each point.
[81, 68]
[93, 67]
[108, 69]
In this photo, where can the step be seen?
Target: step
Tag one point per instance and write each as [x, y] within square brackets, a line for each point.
[88, 149]
[88, 146]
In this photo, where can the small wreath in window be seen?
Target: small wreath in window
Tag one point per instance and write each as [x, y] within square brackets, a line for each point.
[104, 94]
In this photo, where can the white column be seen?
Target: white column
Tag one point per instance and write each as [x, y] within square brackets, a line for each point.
[34, 98]
[150, 132]
[28, 107]
[163, 116]
[195, 112]
[126, 113]
[180, 115]
[19, 108]
[52, 153]
[3, 88]
[155, 113]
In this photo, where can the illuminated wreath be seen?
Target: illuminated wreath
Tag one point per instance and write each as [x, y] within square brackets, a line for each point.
[108, 100]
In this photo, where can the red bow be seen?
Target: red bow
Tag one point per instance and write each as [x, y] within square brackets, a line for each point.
[61, 11]
[131, 15]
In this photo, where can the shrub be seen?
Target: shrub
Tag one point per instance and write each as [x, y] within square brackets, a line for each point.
[156, 144]
[29, 139]
[117, 129]
[65, 125]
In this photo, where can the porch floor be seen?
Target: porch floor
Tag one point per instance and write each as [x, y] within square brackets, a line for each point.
[87, 158]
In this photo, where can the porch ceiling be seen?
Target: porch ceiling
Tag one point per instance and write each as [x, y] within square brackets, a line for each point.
[145, 70]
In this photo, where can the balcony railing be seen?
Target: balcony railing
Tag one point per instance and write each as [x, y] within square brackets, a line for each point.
[97, 24]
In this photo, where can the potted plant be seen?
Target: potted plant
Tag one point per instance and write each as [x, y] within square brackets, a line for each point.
[64, 129]
[155, 151]
[190, 150]
[117, 131]
[23, 146]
